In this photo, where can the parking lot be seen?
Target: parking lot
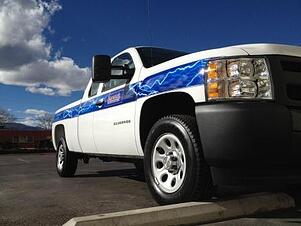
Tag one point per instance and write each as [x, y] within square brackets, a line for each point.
[31, 192]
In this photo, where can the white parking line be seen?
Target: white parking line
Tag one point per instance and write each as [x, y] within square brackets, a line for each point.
[23, 160]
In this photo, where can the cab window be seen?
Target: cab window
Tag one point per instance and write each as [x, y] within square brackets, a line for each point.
[93, 89]
[124, 59]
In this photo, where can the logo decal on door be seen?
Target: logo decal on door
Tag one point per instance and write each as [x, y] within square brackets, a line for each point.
[112, 99]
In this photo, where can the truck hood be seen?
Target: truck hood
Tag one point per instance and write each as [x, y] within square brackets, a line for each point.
[237, 50]
[271, 49]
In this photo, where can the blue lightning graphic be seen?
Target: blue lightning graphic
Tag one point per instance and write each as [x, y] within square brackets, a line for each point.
[184, 76]
[180, 77]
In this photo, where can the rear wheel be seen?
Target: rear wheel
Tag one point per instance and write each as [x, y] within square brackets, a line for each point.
[66, 161]
[175, 169]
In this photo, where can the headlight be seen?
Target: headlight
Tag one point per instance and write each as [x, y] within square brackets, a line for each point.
[238, 78]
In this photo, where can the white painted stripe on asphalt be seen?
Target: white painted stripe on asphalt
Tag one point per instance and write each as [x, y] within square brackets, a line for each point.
[191, 212]
[23, 160]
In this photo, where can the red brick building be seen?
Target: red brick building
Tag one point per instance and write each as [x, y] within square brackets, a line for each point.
[23, 139]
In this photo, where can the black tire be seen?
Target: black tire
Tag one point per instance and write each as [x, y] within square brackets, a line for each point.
[69, 160]
[197, 182]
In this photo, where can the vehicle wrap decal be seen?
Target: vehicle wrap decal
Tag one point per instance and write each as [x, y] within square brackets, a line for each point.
[187, 75]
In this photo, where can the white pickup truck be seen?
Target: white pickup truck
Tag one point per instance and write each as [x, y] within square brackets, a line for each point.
[190, 121]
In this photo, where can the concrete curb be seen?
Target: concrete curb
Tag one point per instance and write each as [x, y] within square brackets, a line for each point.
[191, 212]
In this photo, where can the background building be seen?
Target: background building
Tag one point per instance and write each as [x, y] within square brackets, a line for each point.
[18, 136]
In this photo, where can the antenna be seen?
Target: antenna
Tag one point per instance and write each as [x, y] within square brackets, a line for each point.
[149, 30]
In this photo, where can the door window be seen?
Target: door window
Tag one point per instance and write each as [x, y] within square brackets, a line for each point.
[93, 89]
[124, 59]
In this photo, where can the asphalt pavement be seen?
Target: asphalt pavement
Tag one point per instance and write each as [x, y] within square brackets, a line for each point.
[31, 192]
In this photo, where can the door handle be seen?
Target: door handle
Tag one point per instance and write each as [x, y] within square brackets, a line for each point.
[100, 102]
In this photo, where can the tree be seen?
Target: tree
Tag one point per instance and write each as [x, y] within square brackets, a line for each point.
[6, 117]
[45, 121]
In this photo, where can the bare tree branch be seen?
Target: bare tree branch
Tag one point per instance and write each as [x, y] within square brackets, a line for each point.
[45, 121]
[6, 117]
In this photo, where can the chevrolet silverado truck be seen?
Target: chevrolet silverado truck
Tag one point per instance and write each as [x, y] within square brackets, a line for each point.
[189, 121]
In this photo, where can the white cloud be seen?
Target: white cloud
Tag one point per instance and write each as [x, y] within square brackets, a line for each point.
[45, 91]
[32, 116]
[30, 121]
[25, 54]
[36, 112]
[66, 39]
[62, 76]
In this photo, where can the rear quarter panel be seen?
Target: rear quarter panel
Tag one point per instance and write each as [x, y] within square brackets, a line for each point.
[70, 127]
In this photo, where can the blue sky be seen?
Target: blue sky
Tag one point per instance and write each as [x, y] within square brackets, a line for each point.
[77, 30]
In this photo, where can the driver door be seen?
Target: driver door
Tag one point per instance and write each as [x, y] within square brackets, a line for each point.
[113, 124]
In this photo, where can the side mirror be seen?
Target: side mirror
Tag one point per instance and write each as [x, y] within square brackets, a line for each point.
[122, 72]
[101, 68]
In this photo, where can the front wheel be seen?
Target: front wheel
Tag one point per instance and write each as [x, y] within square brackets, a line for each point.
[175, 170]
[66, 161]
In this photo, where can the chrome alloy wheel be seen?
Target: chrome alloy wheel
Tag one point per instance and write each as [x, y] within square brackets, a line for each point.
[60, 157]
[168, 163]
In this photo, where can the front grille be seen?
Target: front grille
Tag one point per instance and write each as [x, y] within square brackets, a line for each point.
[291, 66]
[294, 91]
[286, 75]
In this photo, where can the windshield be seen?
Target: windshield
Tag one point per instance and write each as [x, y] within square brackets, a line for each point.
[153, 56]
